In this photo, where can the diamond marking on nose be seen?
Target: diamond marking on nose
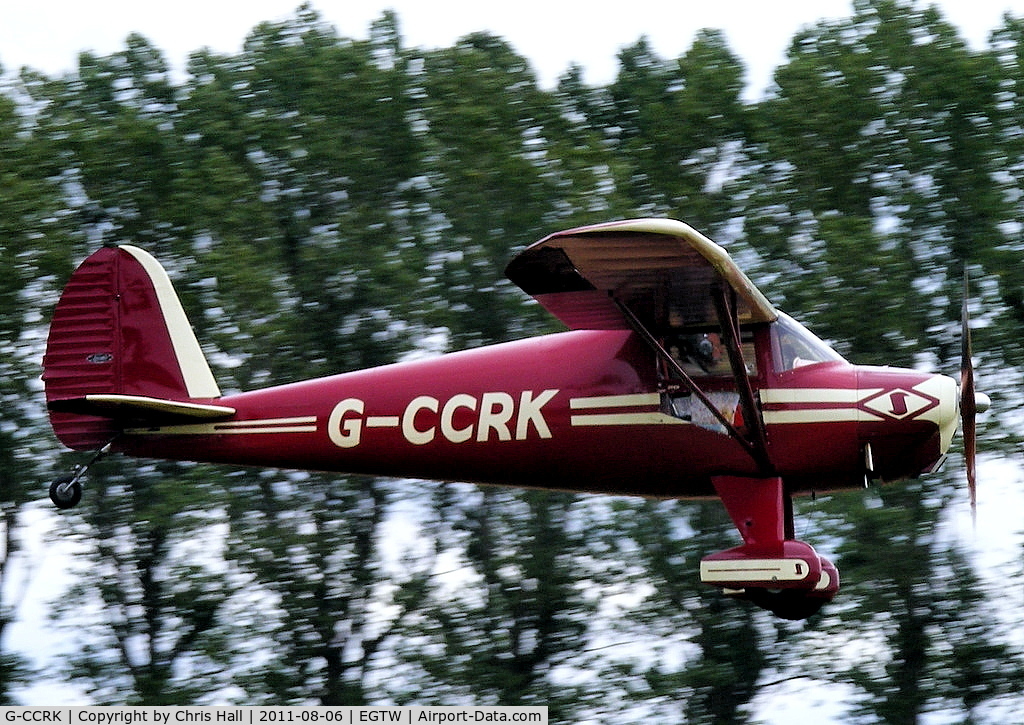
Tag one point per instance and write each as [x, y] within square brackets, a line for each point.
[899, 404]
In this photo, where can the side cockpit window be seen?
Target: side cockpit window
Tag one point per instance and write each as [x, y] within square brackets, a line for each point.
[704, 354]
[794, 346]
[704, 357]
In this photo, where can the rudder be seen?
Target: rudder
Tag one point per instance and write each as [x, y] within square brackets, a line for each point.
[119, 329]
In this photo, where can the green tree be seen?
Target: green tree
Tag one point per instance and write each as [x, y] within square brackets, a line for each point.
[731, 649]
[320, 146]
[317, 545]
[153, 568]
[107, 141]
[27, 200]
[918, 591]
[882, 132]
[674, 127]
[871, 177]
[486, 164]
[516, 613]
[311, 129]
[1002, 258]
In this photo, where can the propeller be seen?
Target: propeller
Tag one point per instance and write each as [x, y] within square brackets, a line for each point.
[971, 401]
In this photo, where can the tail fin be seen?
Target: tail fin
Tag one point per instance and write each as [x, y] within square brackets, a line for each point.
[119, 346]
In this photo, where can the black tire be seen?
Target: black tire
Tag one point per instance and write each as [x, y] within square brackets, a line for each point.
[67, 498]
[791, 604]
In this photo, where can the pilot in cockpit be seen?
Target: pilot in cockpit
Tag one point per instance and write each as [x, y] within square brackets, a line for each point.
[700, 354]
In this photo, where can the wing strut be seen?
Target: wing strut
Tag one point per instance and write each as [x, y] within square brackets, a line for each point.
[758, 454]
[725, 306]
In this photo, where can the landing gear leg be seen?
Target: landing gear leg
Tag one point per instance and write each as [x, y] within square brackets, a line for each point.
[772, 569]
[66, 491]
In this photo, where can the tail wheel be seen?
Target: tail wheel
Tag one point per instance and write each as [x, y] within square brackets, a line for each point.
[66, 492]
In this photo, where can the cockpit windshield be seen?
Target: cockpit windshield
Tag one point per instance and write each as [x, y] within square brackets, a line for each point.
[794, 346]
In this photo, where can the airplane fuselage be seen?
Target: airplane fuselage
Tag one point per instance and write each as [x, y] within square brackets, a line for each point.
[558, 412]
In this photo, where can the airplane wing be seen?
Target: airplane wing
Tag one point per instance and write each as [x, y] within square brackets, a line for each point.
[662, 270]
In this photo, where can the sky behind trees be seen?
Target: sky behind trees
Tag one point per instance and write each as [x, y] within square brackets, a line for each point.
[49, 35]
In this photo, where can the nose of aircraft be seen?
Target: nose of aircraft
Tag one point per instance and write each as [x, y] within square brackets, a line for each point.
[907, 420]
[950, 397]
[948, 417]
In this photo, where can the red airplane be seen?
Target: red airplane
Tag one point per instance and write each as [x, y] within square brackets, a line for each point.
[677, 379]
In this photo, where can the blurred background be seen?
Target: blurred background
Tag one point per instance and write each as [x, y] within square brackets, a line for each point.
[325, 203]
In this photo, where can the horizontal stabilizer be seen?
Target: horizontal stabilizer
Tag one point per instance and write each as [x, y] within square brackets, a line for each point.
[140, 407]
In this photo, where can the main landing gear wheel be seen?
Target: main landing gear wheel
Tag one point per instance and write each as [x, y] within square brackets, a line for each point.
[791, 604]
[66, 491]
